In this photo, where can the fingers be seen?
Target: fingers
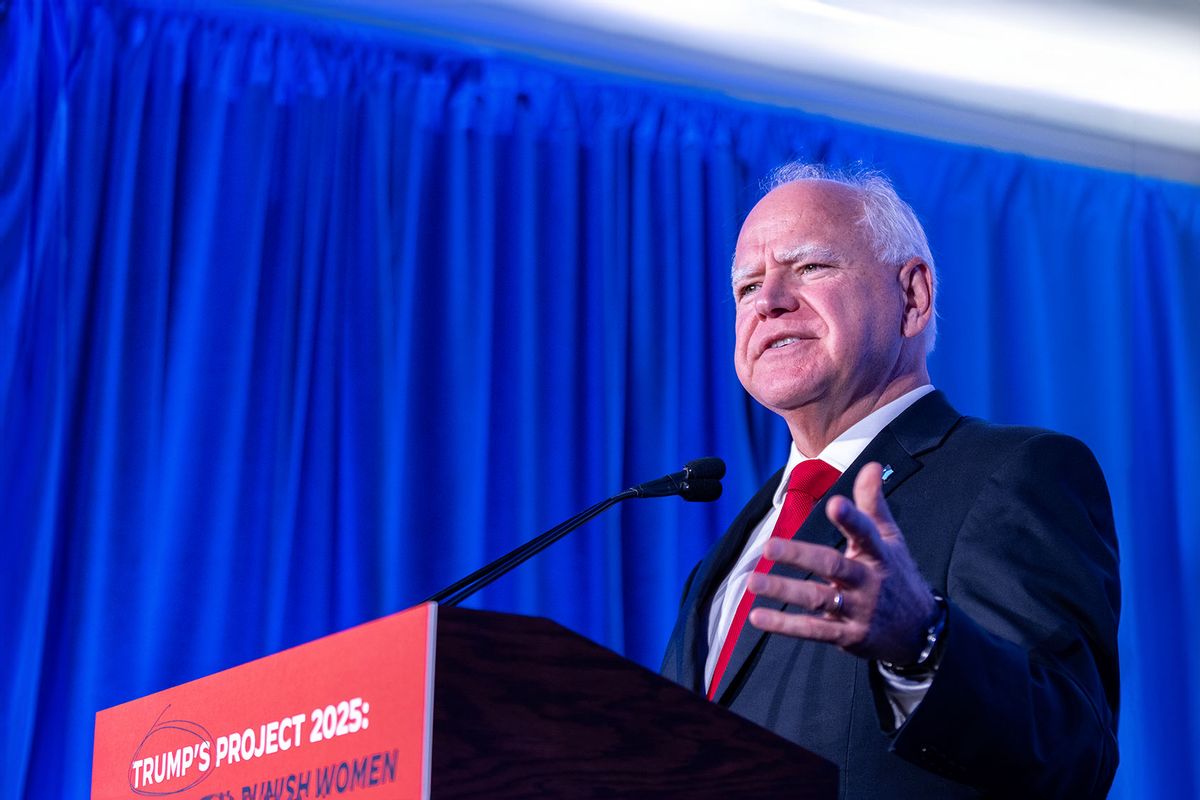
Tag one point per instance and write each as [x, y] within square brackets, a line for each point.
[810, 595]
[875, 576]
[859, 529]
[825, 562]
[868, 496]
[822, 629]
[868, 521]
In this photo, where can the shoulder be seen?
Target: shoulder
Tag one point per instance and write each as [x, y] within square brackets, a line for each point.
[932, 426]
[1000, 449]
[1035, 491]
[933, 431]
[972, 468]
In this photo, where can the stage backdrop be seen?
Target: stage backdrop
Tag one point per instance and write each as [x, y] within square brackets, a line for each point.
[299, 323]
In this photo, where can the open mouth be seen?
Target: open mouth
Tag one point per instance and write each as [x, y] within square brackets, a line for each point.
[784, 342]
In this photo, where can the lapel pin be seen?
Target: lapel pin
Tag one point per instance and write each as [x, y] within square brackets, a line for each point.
[887, 471]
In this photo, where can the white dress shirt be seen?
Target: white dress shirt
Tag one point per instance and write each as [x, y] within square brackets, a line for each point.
[840, 454]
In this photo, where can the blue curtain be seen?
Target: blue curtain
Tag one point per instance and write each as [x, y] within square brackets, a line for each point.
[299, 323]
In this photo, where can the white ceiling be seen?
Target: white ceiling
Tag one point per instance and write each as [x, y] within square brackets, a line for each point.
[1109, 84]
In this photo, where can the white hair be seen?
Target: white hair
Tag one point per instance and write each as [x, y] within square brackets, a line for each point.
[891, 223]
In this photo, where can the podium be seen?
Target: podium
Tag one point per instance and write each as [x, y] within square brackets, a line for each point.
[442, 703]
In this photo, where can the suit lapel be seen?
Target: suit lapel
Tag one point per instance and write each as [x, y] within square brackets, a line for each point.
[921, 428]
[710, 573]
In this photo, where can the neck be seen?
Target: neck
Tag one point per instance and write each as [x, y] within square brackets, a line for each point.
[813, 426]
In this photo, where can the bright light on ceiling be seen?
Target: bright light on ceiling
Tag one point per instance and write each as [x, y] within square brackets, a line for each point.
[1080, 80]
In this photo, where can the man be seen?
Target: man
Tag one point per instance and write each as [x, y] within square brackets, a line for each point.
[942, 622]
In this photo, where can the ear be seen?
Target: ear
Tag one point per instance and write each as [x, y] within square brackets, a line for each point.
[916, 286]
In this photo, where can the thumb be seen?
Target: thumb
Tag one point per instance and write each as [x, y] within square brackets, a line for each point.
[868, 496]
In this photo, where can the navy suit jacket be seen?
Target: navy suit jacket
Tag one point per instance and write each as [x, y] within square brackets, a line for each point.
[1014, 526]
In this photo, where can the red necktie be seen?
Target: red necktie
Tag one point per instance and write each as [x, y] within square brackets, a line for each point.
[808, 482]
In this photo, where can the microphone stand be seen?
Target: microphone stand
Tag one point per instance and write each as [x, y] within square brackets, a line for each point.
[461, 589]
[699, 480]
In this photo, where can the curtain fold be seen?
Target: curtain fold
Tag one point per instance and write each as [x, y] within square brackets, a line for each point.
[300, 323]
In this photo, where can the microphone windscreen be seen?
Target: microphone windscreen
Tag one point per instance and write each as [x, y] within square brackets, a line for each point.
[710, 468]
[702, 490]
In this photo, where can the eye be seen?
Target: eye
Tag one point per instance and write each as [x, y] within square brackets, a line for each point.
[746, 289]
[811, 268]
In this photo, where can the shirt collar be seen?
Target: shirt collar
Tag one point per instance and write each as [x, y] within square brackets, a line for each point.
[841, 452]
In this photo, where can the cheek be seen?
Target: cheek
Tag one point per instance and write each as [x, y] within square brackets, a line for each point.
[860, 318]
[742, 363]
[743, 328]
[873, 334]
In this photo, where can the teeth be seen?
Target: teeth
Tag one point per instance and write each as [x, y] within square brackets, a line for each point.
[783, 342]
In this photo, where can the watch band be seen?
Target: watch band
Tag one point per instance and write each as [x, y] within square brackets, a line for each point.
[926, 662]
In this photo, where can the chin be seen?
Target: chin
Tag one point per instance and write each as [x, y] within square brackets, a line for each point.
[783, 397]
[786, 384]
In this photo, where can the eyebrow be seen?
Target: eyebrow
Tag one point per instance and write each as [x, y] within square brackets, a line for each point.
[800, 253]
[805, 252]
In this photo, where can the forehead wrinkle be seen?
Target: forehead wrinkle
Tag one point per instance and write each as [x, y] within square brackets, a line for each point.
[807, 252]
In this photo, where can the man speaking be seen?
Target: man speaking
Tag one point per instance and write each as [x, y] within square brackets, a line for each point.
[928, 600]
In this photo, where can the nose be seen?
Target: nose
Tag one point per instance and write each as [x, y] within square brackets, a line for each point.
[775, 296]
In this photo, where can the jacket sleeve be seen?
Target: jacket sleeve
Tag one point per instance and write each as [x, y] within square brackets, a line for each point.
[1024, 701]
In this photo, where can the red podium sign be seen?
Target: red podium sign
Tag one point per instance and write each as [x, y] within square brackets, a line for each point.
[351, 712]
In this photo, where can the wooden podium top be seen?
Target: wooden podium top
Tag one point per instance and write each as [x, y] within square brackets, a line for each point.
[527, 708]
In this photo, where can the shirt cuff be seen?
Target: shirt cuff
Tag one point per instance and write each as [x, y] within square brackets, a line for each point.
[903, 694]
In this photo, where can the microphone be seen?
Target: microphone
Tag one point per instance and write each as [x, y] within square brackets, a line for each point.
[699, 481]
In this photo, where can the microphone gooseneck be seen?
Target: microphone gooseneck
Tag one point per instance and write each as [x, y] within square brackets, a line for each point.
[699, 481]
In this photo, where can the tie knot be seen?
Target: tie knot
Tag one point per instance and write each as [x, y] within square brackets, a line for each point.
[813, 478]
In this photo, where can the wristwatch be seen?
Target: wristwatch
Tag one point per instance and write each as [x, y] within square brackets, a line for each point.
[927, 661]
